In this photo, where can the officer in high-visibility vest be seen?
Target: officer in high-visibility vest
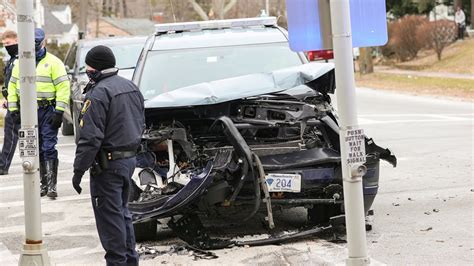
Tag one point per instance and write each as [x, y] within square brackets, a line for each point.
[53, 91]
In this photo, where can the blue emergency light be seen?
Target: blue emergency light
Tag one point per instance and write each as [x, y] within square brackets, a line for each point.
[308, 24]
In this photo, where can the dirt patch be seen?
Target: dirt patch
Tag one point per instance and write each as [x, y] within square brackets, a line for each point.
[456, 58]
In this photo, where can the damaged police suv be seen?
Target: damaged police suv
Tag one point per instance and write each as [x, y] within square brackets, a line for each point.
[236, 124]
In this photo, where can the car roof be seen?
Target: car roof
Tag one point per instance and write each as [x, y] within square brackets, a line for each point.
[218, 38]
[112, 41]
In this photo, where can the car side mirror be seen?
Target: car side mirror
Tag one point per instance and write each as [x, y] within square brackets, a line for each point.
[69, 71]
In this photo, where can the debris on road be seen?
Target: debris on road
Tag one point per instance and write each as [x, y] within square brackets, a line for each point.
[410, 199]
[427, 229]
[149, 252]
[395, 204]
[428, 213]
[435, 210]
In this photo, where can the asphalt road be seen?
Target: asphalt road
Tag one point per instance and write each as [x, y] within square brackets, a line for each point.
[423, 213]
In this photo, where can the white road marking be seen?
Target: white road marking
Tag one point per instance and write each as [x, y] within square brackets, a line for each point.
[420, 114]
[65, 182]
[6, 257]
[46, 201]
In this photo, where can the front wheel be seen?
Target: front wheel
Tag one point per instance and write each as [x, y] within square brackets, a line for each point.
[146, 231]
[321, 213]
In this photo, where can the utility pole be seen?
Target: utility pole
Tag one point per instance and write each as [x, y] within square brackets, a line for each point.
[83, 18]
[267, 7]
[352, 172]
[33, 252]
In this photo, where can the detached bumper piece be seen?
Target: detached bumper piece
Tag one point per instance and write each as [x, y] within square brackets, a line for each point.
[190, 229]
[152, 210]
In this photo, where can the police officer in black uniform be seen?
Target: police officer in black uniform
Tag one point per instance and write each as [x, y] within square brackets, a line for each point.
[111, 124]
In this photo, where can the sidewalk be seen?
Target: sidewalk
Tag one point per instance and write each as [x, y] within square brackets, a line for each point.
[388, 70]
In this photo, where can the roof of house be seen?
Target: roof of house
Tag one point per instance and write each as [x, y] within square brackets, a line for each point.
[55, 8]
[52, 25]
[134, 26]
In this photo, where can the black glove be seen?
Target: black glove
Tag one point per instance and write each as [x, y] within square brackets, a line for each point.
[56, 119]
[76, 181]
[16, 118]
[5, 92]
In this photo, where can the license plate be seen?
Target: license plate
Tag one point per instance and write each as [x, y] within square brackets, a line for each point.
[283, 182]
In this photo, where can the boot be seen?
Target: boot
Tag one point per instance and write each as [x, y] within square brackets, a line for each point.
[44, 180]
[52, 176]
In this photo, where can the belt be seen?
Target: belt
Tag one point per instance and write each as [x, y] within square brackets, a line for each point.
[46, 103]
[116, 155]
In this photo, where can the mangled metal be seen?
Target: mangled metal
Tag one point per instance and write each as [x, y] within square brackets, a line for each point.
[245, 144]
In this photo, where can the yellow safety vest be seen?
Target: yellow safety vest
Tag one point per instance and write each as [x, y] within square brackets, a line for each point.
[52, 83]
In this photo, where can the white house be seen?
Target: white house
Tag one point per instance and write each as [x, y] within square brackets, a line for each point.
[58, 24]
[441, 12]
[54, 19]
[7, 15]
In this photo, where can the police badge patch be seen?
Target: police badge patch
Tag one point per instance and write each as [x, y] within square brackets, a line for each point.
[86, 105]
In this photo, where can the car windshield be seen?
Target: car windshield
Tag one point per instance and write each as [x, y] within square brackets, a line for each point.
[165, 71]
[126, 55]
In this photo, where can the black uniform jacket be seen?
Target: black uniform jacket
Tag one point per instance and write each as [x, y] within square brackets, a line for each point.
[112, 118]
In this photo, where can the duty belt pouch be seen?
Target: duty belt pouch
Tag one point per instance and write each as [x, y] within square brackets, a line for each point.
[95, 169]
[100, 164]
[103, 160]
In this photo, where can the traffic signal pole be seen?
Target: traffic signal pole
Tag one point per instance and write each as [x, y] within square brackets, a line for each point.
[352, 168]
[33, 252]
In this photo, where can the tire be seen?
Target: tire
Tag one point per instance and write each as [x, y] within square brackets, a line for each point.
[145, 231]
[321, 213]
[134, 192]
[67, 129]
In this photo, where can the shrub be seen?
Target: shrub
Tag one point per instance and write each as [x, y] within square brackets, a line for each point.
[437, 35]
[403, 41]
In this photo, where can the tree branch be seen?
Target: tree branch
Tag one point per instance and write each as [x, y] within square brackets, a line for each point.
[229, 6]
[198, 9]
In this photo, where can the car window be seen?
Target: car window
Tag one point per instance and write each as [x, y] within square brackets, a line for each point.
[126, 55]
[169, 70]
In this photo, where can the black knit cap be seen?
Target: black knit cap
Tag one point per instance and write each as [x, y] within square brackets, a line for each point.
[100, 57]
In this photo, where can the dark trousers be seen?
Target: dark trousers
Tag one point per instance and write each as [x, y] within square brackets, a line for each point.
[10, 139]
[109, 194]
[48, 135]
[461, 30]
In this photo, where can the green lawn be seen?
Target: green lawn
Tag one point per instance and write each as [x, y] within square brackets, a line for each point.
[462, 88]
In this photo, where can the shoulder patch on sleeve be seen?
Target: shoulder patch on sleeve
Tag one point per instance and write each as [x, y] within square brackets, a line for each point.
[86, 105]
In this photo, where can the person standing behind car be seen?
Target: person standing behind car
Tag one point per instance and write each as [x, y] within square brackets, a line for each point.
[111, 124]
[460, 20]
[10, 137]
[53, 91]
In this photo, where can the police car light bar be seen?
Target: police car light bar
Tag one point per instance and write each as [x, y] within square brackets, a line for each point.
[215, 24]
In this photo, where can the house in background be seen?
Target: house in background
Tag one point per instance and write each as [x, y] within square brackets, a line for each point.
[441, 12]
[109, 26]
[58, 24]
[7, 15]
[54, 19]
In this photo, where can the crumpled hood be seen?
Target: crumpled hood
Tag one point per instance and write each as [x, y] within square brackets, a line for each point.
[225, 90]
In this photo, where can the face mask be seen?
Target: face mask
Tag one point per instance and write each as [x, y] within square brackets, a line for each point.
[93, 75]
[38, 46]
[12, 50]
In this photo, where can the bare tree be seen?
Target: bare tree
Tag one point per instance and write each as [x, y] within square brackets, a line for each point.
[472, 14]
[366, 64]
[219, 8]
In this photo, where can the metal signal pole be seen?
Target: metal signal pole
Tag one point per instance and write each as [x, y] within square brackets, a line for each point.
[351, 136]
[33, 252]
